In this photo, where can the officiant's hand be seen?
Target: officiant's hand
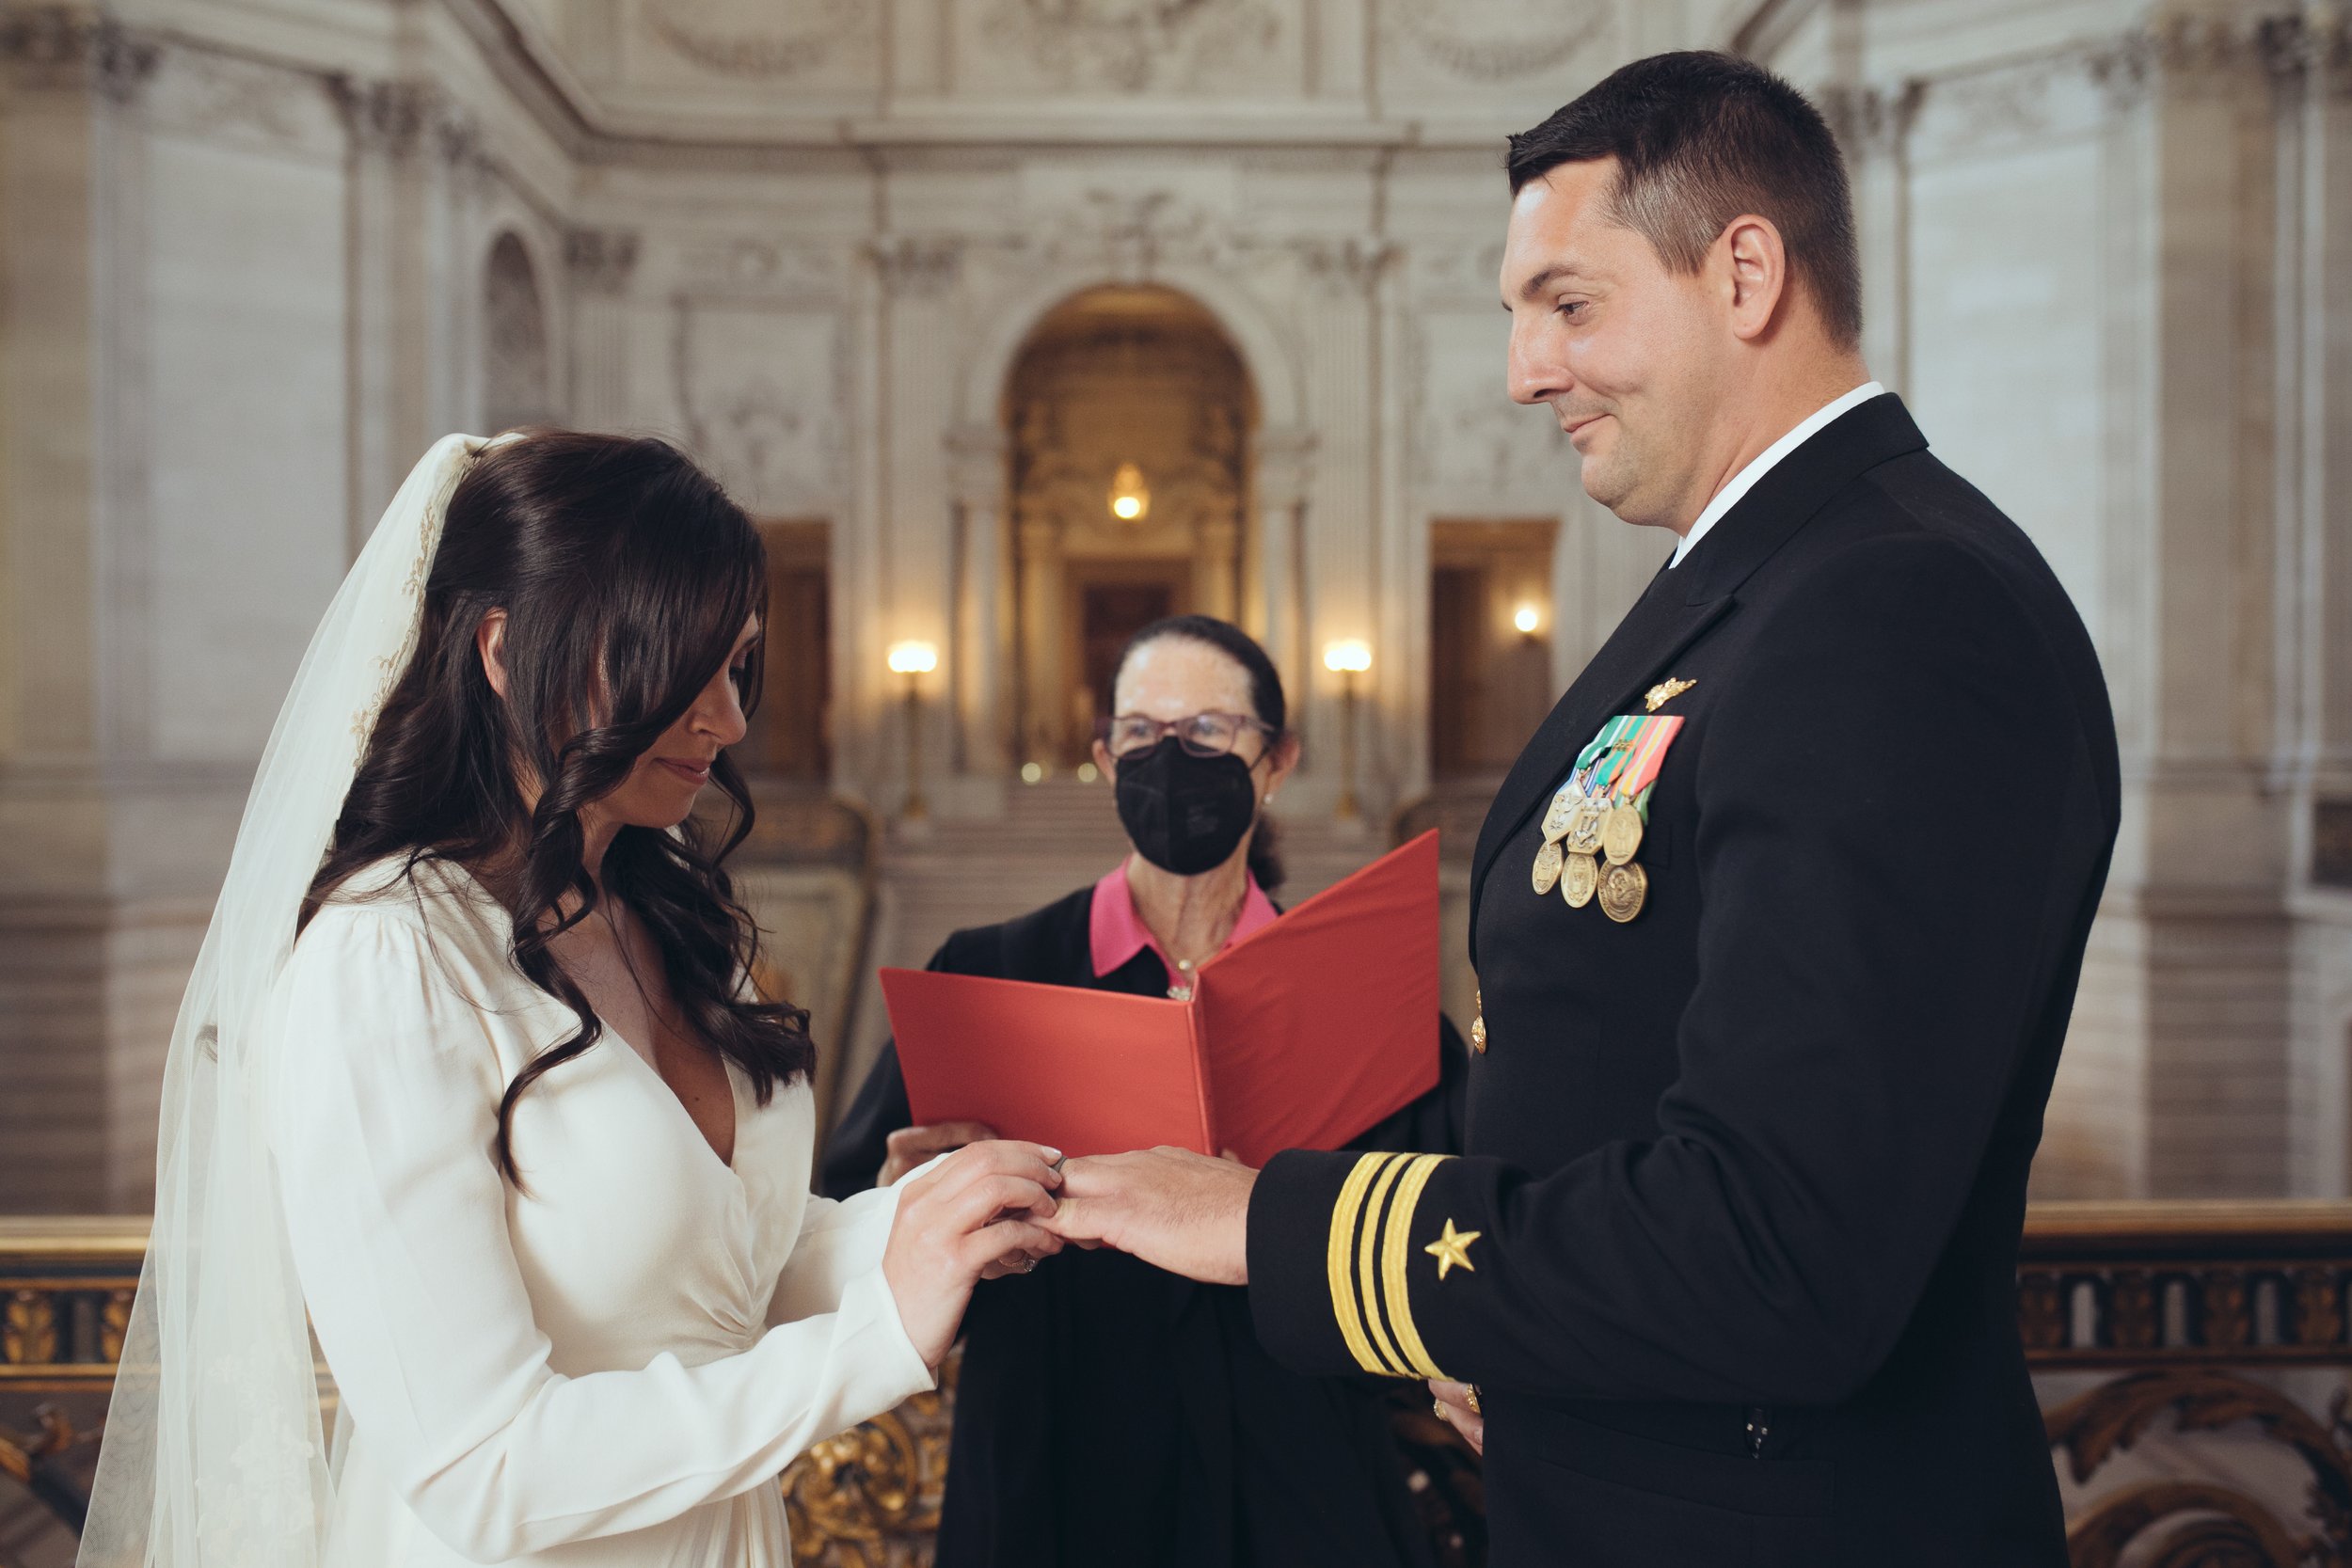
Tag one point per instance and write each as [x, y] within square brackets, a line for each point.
[958, 1221]
[1174, 1208]
[908, 1148]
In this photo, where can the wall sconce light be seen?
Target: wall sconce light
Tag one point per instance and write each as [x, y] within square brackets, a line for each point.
[1131, 498]
[1527, 618]
[1347, 658]
[914, 661]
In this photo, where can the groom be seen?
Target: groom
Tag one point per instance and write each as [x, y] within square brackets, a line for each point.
[1778, 919]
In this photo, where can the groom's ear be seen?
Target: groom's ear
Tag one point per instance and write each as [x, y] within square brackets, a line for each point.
[489, 639]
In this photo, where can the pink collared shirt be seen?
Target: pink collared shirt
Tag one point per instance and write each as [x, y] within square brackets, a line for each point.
[1117, 932]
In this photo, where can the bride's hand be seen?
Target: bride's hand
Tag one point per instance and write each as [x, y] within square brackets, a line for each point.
[968, 1217]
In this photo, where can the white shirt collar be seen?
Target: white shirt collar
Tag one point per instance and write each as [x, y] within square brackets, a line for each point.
[1744, 481]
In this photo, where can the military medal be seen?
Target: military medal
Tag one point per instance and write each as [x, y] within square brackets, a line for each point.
[1546, 866]
[1603, 830]
[1556, 816]
[1623, 891]
[1585, 823]
[1621, 832]
[1579, 877]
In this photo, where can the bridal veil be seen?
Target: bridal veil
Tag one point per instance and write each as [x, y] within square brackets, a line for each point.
[213, 1455]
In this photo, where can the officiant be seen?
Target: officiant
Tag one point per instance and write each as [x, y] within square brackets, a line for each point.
[1111, 1414]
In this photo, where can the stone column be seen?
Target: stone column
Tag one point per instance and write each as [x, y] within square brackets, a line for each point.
[387, 282]
[981, 644]
[70, 259]
[1272, 606]
[601, 263]
[1043, 709]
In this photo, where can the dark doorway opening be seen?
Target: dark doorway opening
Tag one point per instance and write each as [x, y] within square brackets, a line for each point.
[791, 736]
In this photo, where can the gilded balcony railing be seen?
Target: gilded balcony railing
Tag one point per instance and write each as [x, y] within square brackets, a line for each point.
[2195, 1311]
[2176, 1318]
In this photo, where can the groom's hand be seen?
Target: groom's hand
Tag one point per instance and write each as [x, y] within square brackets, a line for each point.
[1180, 1210]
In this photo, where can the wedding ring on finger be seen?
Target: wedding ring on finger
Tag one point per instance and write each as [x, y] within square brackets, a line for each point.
[1471, 1397]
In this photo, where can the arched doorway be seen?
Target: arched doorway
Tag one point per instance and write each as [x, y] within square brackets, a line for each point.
[1128, 415]
[514, 377]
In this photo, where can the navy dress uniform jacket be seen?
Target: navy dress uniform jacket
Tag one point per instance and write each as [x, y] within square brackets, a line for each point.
[1731, 1253]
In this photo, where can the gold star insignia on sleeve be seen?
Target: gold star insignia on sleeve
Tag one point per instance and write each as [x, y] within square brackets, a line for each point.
[1665, 691]
[1452, 1248]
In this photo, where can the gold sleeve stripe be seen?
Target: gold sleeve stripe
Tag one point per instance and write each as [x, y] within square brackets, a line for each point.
[1344, 1216]
[1366, 1260]
[1395, 1243]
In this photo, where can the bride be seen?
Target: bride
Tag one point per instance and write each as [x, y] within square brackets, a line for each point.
[470, 1069]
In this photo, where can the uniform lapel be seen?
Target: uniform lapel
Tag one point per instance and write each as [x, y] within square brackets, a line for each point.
[1683, 603]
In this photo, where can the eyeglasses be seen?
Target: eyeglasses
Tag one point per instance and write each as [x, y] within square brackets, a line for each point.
[1204, 735]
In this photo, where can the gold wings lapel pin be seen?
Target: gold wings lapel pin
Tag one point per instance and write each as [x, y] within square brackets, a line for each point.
[1665, 691]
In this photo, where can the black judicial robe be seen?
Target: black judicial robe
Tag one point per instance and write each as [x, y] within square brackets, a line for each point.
[1109, 1414]
[1732, 1251]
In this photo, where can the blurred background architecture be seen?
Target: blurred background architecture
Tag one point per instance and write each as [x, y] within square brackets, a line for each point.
[1020, 322]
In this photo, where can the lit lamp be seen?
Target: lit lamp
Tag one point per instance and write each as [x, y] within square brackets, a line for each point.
[914, 661]
[1527, 619]
[1347, 658]
[1130, 499]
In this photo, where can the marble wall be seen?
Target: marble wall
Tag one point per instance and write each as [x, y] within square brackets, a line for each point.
[254, 254]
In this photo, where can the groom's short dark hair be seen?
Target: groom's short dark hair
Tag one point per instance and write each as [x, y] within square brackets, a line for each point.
[1700, 138]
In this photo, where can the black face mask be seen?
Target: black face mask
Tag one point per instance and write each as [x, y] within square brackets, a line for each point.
[1184, 813]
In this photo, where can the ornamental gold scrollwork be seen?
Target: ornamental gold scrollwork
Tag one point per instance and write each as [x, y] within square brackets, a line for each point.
[28, 1329]
[2202, 1524]
[869, 1496]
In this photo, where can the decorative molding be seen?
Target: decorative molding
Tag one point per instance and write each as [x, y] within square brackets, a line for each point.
[68, 46]
[398, 117]
[777, 55]
[1127, 234]
[1360, 263]
[600, 260]
[745, 264]
[1493, 41]
[918, 266]
[385, 117]
[1131, 46]
[1871, 121]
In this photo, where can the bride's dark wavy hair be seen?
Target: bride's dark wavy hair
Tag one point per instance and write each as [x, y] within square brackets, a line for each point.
[627, 574]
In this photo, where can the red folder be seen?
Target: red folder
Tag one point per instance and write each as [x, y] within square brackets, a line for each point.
[1301, 1036]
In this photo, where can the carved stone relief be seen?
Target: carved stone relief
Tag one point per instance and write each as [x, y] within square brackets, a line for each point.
[1494, 41]
[762, 40]
[1136, 46]
[65, 46]
[266, 107]
[2012, 106]
[761, 389]
[600, 260]
[770, 269]
[1473, 449]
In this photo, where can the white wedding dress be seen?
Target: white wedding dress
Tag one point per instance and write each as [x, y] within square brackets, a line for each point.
[608, 1366]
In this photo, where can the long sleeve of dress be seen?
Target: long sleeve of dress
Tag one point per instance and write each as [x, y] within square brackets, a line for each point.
[385, 1107]
[840, 1243]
